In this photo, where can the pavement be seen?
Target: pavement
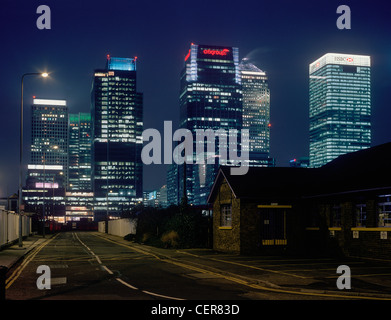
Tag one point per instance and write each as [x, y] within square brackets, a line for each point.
[11, 254]
[371, 279]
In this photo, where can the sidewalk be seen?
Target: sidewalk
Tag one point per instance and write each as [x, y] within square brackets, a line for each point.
[10, 255]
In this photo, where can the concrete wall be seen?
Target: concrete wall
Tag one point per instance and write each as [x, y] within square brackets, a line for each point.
[120, 227]
[9, 227]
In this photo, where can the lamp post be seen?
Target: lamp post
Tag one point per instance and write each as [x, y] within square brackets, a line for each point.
[21, 154]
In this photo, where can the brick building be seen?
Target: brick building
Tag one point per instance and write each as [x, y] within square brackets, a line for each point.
[343, 207]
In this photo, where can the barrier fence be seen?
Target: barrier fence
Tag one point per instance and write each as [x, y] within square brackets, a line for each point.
[9, 227]
[120, 227]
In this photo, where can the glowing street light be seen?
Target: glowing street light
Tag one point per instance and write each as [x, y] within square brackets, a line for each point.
[44, 75]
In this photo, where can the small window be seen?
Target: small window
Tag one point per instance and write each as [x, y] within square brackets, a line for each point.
[226, 216]
[361, 215]
[336, 216]
[384, 211]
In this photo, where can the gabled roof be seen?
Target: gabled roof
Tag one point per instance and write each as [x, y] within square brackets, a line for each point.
[263, 182]
[362, 170]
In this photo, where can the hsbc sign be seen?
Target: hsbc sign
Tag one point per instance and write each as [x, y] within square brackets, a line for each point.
[343, 59]
[340, 58]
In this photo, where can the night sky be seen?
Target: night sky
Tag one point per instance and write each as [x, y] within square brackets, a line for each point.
[280, 37]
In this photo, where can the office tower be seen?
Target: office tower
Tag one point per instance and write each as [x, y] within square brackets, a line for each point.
[79, 172]
[172, 185]
[256, 113]
[49, 136]
[163, 196]
[340, 106]
[79, 196]
[117, 124]
[210, 98]
[47, 171]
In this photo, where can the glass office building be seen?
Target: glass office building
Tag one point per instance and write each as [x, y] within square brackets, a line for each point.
[47, 171]
[339, 106]
[79, 168]
[117, 124]
[256, 113]
[210, 98]
[49, 136]
[79, 196]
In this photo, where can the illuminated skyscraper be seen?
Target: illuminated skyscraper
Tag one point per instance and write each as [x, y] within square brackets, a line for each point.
[79, 172]
[117, 124]
[47, 170]
[210, 98]
[79, 195]
[256, 113]
[340, 106]
[49, 136]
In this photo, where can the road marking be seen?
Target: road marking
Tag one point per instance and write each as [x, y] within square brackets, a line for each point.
[59, 280]
[58, 266]
[243, 282]
[15, 275]
[127, 284]
[160, 295]
[107, 269]
[132, 287]
[93, 254]
[248, 266]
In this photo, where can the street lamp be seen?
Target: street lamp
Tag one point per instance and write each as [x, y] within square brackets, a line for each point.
[44, 75]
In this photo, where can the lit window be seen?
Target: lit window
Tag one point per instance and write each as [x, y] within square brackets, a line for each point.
[226, 216]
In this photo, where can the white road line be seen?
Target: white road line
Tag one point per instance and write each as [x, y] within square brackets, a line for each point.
[161, 296]
[107, 269]
[120, 280]
[59, 280]
[126, 284]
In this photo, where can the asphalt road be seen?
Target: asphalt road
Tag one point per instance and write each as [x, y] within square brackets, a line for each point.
[94, 266]
[86, 266]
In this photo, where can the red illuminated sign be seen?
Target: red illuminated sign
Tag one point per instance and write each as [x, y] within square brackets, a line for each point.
[212, 52]
[187, 56]
[349, 59]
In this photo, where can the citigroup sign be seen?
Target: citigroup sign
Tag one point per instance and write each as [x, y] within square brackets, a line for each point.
[215, 52]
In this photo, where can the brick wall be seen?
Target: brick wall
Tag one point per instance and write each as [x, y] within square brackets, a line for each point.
[224, 238]
[349, 239]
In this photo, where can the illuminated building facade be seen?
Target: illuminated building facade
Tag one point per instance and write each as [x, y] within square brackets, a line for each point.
[117, 124]
[339, 106]
[210, 98]
[47, 172]
[256, 113]
[172, 185]
[79, 169]
[79, 195]
[49, 136]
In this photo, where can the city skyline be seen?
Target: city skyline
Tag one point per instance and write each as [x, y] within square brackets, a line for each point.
[284, 59]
